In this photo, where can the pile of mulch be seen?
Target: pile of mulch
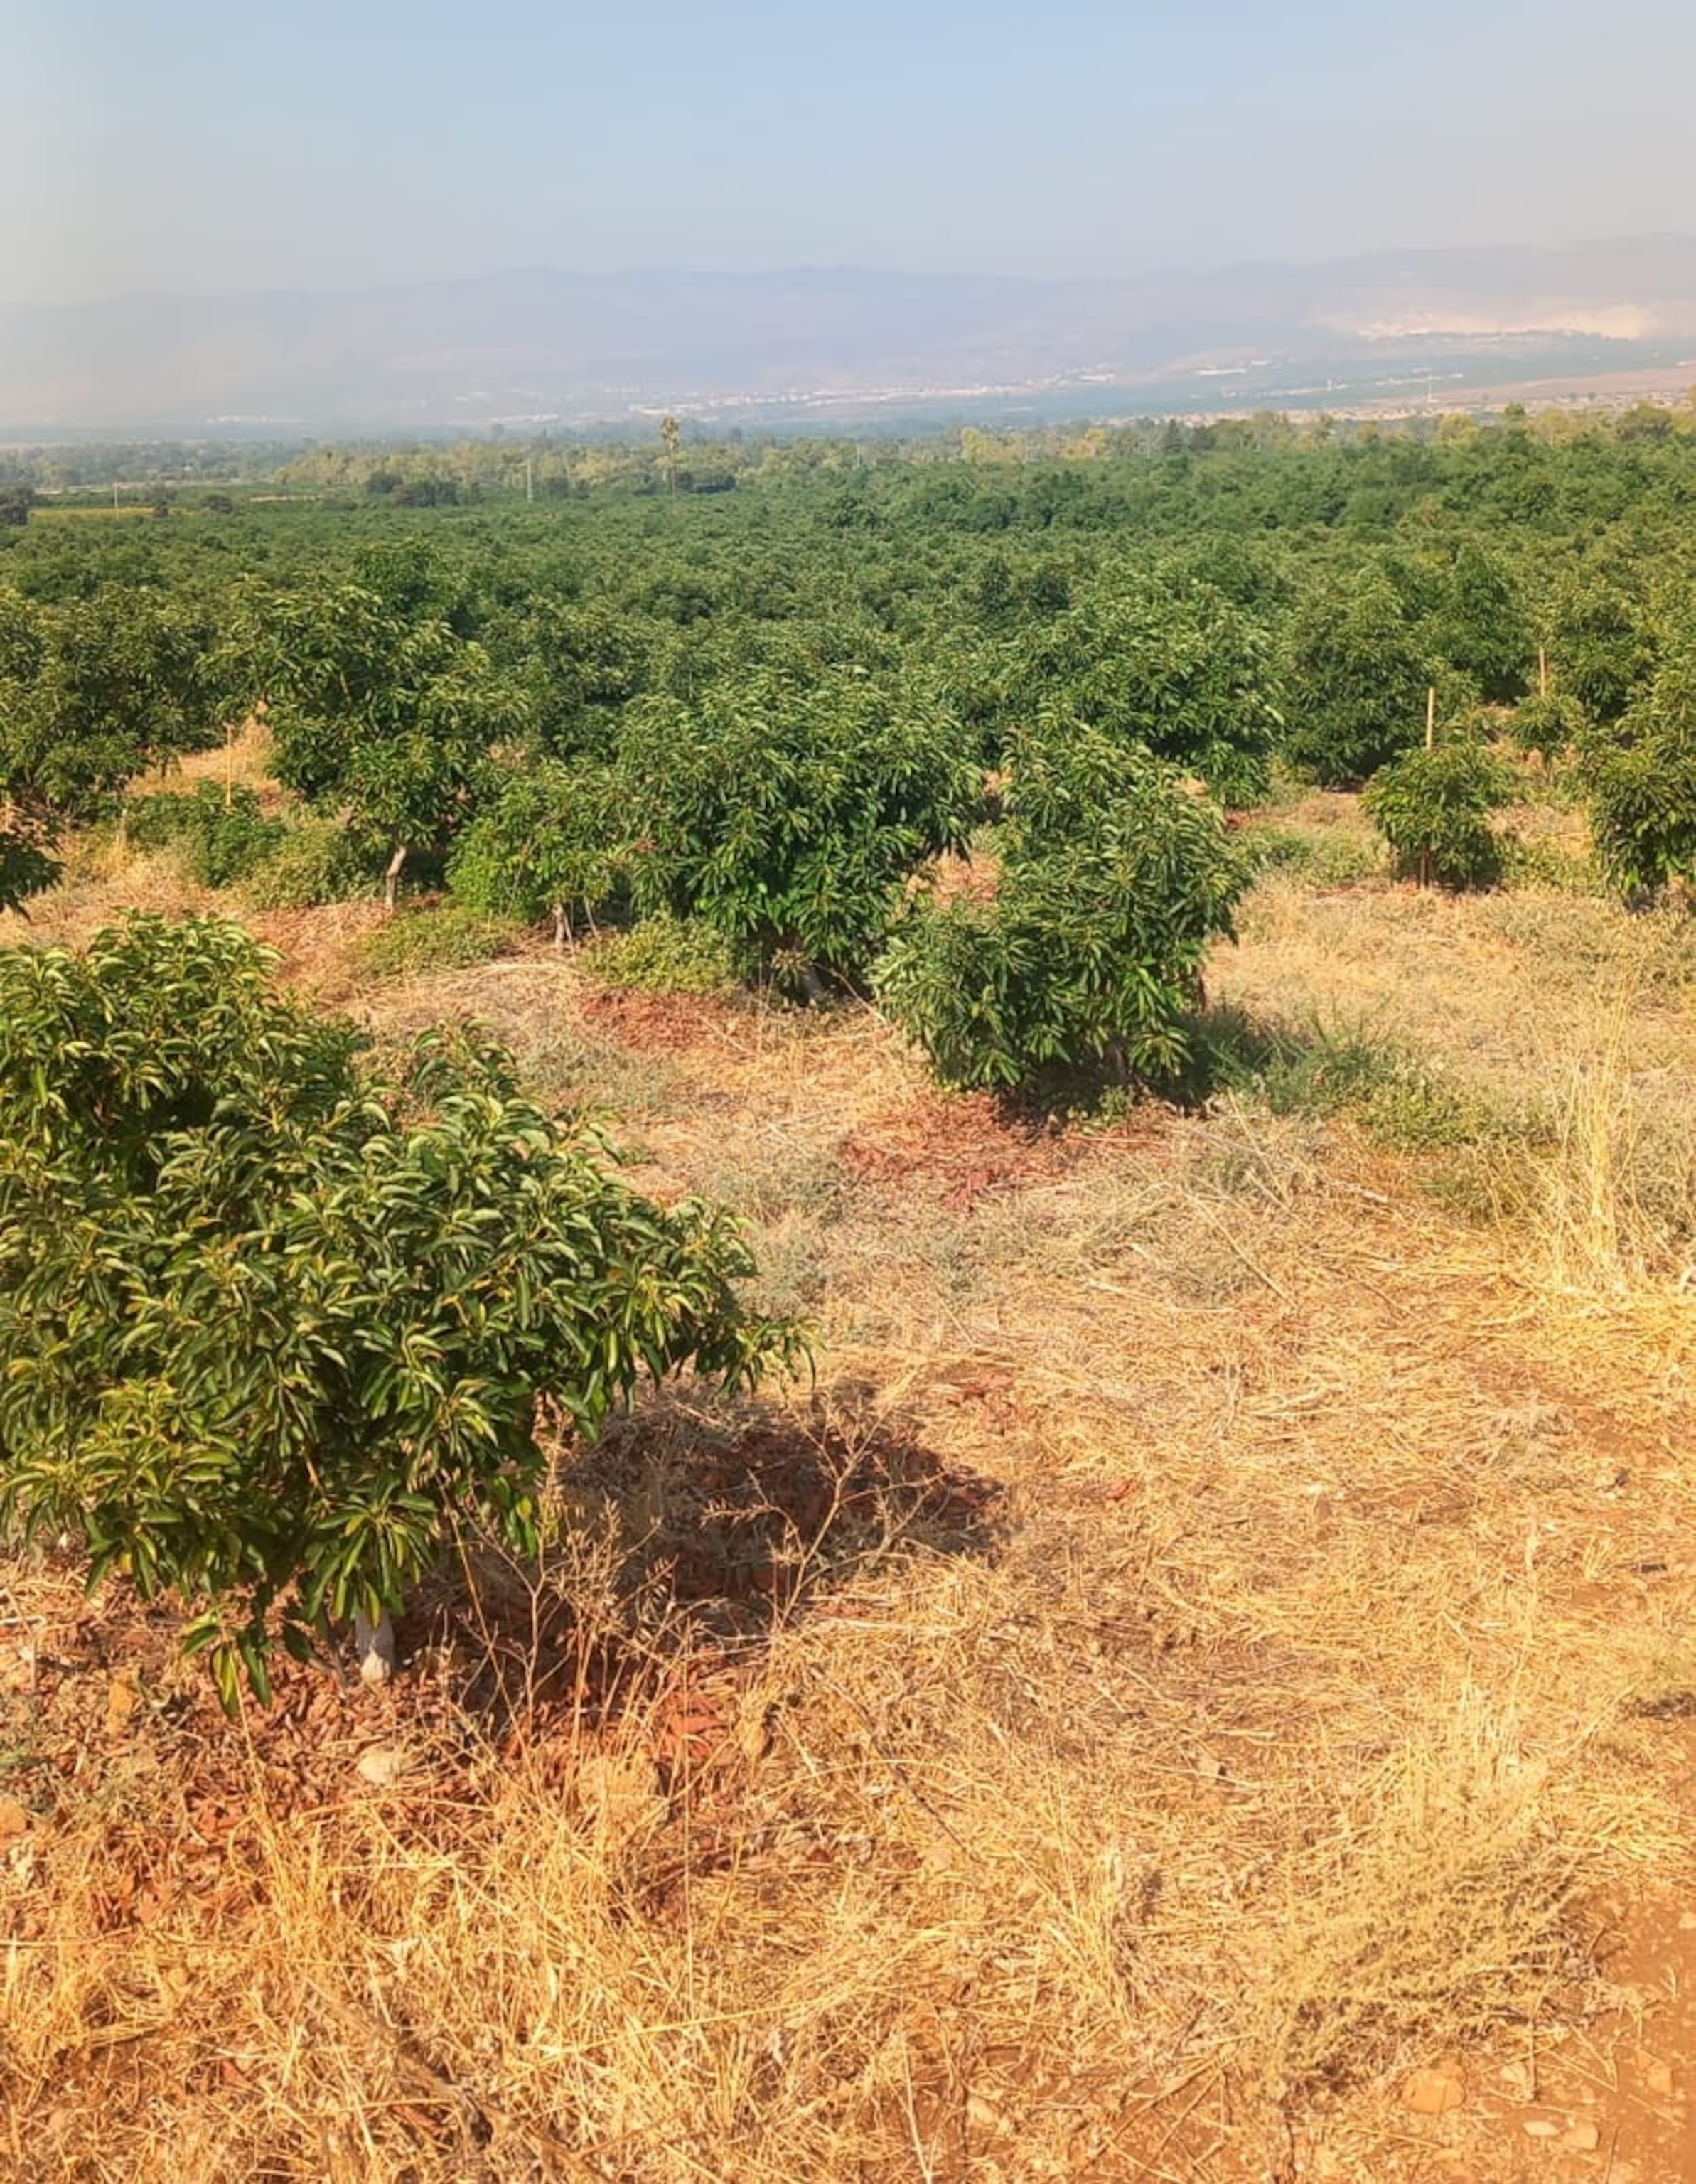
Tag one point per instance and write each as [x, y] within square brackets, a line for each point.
[972, 1145]
[313, 943]
[665, 1024]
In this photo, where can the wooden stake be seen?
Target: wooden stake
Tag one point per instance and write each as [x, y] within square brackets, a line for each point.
[1543, 670]
[1431, 745]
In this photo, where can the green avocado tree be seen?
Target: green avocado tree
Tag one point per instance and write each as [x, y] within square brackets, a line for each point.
[1357, 678]
[789, 816]
[92, 691]
[1480, 627]
[1163, 663]
[1601, 642]
[545, 842]
[1434, 809]
[1639, 784]
[1113, 881]
[387, 718]
[273, 1322]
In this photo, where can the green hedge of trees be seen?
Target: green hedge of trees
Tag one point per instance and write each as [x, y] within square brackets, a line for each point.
[768, 707]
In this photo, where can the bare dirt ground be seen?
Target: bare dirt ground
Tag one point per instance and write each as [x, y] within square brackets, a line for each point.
[1201, 1687]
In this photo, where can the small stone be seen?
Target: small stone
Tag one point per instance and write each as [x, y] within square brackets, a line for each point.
[1657, 2076]
[14, 1820]
[1433, 2093]
[1540, 2127]
[1580, 2138]
[1687, 1922]
[380, 1765]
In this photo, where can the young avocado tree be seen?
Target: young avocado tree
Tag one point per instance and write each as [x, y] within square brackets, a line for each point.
[387, 719]
[274, 1323]
[546, 842]
[1114, 881]
[790, 815]
[1167, 663]
[1549, 722]
[1357, 674]
[1639, 784]
[1434, 809]
[220, 832]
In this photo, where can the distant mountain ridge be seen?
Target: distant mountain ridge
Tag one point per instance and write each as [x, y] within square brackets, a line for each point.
[533, 345]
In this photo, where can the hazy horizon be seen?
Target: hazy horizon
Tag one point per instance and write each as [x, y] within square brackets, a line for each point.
[506, 271]
[201, 152]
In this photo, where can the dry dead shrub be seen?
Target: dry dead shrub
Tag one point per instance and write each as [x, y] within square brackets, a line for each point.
[1615, 1204]
[1440, 1905]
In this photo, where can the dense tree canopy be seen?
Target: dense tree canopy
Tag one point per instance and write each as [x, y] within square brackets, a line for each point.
[790, 816]
[1084, 951]
[93, 690]
[778, 692]
[385, 717]
[273, 1319]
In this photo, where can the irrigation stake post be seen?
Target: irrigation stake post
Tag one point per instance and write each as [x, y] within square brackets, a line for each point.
[1431, 745]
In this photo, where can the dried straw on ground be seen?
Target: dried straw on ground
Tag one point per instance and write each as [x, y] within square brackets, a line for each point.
[1216, 1640]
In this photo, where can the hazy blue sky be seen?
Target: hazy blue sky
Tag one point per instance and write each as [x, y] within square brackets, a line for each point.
[196, 147]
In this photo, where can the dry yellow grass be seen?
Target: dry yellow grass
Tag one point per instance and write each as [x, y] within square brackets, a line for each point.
[1280, 1683]
[105, 875]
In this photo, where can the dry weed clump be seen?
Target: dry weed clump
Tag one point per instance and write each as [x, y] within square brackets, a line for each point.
[105, 875]
[103, 878]
[1616, 1207]
[241, 760]
[1441, 1906]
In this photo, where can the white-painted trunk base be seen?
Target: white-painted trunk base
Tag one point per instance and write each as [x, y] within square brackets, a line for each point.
[374, 1644]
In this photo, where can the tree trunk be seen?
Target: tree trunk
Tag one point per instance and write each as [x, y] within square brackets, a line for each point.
[374, 1644]
[562, 925]
[392, 876]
